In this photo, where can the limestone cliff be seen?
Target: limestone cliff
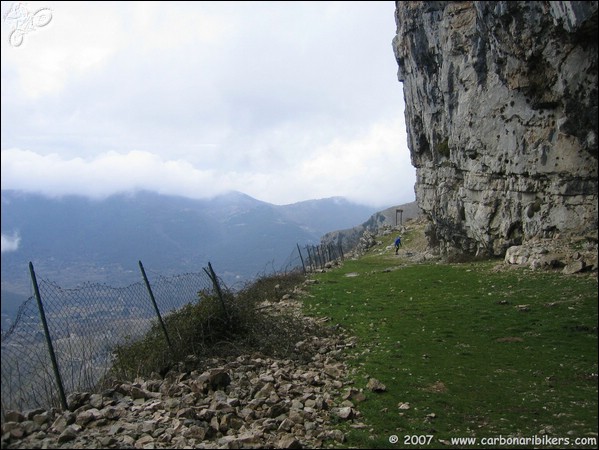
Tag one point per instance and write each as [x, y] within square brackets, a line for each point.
[501, 112]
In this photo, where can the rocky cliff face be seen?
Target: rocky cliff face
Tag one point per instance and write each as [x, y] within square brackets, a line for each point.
[501, 111]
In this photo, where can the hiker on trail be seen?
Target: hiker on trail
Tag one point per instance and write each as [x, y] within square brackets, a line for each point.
[397, 244]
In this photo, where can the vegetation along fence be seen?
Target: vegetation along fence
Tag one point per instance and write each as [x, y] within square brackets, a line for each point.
[62, 340]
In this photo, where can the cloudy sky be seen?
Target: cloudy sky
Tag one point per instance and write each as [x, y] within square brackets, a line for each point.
[284, 101]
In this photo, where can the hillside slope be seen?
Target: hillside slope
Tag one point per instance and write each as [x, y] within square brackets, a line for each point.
[390, 218]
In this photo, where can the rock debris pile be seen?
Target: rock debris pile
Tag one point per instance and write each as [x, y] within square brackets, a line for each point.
[249, 401]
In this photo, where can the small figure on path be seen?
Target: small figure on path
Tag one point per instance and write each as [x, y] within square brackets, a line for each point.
[397, 244]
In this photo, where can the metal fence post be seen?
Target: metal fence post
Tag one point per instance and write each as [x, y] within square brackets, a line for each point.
[63, 398]
[320, 258]
[216, 284]
[301, 258]
[309, 258]
[143, 272]
[314, 257]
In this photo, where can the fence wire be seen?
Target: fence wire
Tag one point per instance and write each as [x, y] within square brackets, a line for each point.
[311, 258]
[85, 325]
[318, 256]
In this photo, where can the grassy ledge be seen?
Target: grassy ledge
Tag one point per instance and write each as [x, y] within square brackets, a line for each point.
[465, 350]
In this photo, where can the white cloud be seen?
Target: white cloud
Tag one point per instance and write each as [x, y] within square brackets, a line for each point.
[10, 243]
[155, 21]
[285, 101]
[373, 166]
[106, 174]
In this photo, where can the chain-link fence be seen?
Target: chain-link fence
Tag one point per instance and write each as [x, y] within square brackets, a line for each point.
[84, 325]
[311, 257]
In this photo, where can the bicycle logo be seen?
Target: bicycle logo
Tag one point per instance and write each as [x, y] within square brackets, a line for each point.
[25, 22]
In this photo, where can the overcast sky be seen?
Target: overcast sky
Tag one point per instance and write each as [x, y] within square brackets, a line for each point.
[284, 101]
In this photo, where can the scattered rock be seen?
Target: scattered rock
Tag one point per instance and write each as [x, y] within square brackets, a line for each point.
[354, 395]
[345, 413]
[375, 385]
[436, 387]
[573, 267]
[289, 441]
[509, 339]
[218, 379]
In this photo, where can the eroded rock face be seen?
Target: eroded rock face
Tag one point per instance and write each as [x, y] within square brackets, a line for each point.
[501, 111]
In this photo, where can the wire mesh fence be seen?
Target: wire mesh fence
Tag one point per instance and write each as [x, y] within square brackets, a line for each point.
[318, 256]
[84, 325]
[311, 257]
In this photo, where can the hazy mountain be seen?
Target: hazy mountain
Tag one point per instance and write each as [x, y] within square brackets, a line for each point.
[72, 239]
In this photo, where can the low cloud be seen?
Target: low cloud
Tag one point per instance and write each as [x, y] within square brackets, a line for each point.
[372, 167]
[105, 175]
[10, 243]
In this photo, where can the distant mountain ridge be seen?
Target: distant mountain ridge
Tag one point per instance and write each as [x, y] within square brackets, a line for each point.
[74, 239]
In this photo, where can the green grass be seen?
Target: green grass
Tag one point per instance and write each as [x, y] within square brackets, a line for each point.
[452, 341]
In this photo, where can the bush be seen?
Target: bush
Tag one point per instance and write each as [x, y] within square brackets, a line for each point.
[443, 148]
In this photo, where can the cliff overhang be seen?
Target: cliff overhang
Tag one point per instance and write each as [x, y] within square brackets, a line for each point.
[501, 113]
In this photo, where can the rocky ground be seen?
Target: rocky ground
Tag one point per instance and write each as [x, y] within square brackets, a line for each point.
[249, 401]
[570, 254]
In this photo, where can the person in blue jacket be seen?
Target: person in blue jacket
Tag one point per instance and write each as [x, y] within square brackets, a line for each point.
[397, 244]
